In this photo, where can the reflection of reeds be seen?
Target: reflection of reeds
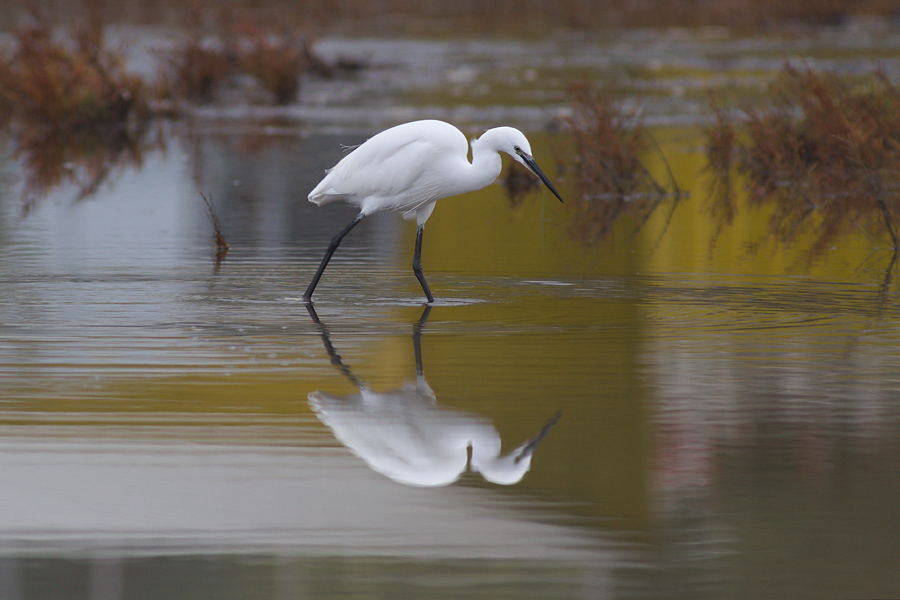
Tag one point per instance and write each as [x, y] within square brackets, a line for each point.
[518, 182]
[827, 147]
[721, 147]
[611, 180]
[85, 160]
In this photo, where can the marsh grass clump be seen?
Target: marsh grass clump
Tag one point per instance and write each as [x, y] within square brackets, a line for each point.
[276, 62]
[827, 149]
[193, 69]
[721, 152]
[69, 85]
[74, 112]
[202, 67]
[610, 178]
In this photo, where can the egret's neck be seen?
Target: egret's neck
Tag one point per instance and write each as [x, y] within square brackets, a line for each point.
[486, 164]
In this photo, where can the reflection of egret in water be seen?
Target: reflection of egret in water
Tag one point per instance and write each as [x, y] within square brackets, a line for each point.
[406, 436]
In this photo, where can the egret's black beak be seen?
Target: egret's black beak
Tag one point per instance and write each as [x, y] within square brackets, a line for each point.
[529, 160]
[528, 447]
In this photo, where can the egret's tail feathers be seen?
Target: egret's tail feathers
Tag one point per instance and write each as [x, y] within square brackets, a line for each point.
[321, 199]
[324, 403]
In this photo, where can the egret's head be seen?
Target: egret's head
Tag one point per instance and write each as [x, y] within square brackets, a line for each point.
[513, 142]
[509, 469]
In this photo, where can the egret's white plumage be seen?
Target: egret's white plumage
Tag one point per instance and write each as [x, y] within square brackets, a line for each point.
[401, 169]
[409, 167]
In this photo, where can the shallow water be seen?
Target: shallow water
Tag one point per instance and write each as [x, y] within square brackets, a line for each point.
[728, 419]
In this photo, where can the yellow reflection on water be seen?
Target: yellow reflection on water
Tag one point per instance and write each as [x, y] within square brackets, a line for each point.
[656, 376]
[482, 233]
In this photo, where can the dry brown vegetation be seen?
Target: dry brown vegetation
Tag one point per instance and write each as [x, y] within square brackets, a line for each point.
[721, 146]
[74, 85]
[824, 153]
[210, 57]
[75, 82]
[609, 176]
[76, 113]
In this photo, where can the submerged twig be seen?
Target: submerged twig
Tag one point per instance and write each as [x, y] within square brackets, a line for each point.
[889, 222]
[221, 246]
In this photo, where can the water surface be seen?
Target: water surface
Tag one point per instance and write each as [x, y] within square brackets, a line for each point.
[722, 432]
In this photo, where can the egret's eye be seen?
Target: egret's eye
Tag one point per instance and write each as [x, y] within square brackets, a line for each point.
[517, 149]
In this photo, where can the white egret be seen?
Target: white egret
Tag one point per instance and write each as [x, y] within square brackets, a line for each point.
[408, 168]
[407, 436]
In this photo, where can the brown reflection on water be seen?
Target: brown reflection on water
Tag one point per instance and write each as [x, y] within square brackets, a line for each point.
[84, 161]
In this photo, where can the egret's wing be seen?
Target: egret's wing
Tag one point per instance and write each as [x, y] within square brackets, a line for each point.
[378, 169]
[398, 169]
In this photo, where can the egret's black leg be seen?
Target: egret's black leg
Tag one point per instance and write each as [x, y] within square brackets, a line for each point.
[332, 353]
[417, 339]
[332, 246]
[417, 264]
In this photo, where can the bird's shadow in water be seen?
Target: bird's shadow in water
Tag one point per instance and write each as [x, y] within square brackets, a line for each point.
[405, 435]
